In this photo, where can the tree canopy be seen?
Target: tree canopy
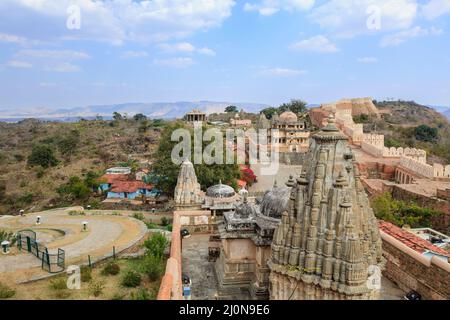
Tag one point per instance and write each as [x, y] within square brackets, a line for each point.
[231, 109]
[425, 133]
[295, 105]
[42, 155]
[165, 172]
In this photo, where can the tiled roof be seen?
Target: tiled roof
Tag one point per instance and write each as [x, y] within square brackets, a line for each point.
[129, 186]
[410, 239]
[111, 178]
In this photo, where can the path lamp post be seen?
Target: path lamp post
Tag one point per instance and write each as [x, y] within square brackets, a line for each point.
[38, 220]
[85, 224]
[5, 246]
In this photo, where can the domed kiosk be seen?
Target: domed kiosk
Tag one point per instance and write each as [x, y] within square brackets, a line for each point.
[220, 198]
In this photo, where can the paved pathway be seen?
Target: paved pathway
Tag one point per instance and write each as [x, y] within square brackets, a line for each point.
[60, 230]
[196, 265]
[265, 182]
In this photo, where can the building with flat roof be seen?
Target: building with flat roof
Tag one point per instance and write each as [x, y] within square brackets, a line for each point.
[195, 116]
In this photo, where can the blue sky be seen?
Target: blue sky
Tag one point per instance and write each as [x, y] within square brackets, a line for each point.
[265, 51]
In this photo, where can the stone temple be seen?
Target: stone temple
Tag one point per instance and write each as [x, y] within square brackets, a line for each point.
[188, 194]
[328, 243]
[246, 236]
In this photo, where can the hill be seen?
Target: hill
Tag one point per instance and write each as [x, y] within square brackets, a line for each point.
[407, 123]
[82, 149]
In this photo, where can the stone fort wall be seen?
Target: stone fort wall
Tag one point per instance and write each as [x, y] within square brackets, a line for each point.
[197, 222]
[412, 271]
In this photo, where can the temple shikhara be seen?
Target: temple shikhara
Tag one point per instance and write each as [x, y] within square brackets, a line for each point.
[328, 238]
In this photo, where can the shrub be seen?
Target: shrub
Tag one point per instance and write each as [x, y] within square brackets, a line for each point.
[165, 221]
[96, 288]
[42, 155]
[151, 225]
[118, 296]
[153, 267]
[6, 292]
[111, 269]
[58, 284]
[76, 213]
[141, 294]
[169, 228]
[138, 215]
[9, 236]
[86, 274]
[131, 279]
[156, 244]
[425, 133]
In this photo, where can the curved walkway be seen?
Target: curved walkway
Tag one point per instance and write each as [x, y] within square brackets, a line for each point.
[61, 230]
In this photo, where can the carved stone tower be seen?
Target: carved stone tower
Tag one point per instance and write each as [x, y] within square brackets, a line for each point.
[328, 238]
[187, 192]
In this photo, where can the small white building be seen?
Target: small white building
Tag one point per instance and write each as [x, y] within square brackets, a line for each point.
[119, 170]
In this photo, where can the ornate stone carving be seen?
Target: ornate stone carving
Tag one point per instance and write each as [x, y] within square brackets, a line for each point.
[329, 237]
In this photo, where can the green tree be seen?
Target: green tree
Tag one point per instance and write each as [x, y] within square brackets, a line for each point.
[68, 144]
[156, 244]
[139, 117]
[166, 172]
[75, 189]
[42, 155]
[425, 133]
[117, 116]
[269, 112]
[296, 106]
[231, 109]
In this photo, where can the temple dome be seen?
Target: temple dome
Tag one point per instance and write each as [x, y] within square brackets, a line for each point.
[288, 116]
[220, 191]
[275, 202]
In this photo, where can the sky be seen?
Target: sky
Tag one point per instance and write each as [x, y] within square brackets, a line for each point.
[74, 53]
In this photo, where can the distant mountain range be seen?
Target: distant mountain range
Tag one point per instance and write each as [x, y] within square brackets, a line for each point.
[444, 110]
[163, 110]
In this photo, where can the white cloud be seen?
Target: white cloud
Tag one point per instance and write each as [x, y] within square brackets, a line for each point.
[64, 67]
[179, 62]
[19, 64]
[283, 72]
[402, 36]
[270, 7]
[349, 18]
[12, 39]
[134, 54]
[318, 43]
[185, 47]
[118, 21]
[177, 47]
[435, 8]
[367, 60]
[206, 51]
[53, 54]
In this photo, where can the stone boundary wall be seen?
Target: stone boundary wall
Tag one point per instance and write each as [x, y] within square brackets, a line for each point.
[412, 159]
[411, 270]
[418, 167]
[171, 284]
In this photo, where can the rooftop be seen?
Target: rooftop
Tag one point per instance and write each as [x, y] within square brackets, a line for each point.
[410, 239]
[129, 186]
